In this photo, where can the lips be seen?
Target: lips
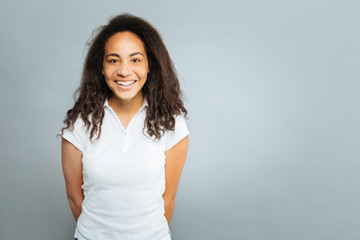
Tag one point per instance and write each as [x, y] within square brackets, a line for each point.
[125, 83]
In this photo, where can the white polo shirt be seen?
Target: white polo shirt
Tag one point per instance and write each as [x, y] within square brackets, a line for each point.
[124, 178]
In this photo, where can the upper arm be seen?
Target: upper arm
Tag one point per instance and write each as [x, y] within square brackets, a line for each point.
[71, 158]
[175, 159]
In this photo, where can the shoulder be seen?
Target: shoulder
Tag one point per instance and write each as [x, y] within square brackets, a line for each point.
[180, 131]
[78, 134]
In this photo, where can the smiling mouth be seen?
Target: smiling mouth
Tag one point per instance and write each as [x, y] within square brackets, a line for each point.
[125, 83]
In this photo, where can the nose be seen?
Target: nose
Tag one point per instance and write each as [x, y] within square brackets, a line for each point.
[123, 70]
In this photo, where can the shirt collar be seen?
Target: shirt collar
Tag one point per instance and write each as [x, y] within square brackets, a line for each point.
[145, 104]
[106, 104]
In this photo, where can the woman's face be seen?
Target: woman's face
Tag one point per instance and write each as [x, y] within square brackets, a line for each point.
[125, 66]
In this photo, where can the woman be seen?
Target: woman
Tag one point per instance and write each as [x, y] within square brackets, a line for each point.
[124, 142]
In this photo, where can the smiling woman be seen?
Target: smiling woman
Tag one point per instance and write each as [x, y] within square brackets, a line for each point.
[125, 69]
[125, 142]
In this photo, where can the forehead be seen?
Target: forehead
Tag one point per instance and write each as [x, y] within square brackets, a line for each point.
[124, 41]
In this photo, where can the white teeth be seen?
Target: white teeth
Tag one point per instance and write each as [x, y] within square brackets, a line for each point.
[127, 83]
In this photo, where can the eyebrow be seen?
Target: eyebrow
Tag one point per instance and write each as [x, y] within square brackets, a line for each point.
[118, 56]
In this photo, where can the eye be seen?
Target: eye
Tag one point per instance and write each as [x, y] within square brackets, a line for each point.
[135, 60]
[113, 61]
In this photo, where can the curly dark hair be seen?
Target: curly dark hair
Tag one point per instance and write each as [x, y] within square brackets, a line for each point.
[161, 89]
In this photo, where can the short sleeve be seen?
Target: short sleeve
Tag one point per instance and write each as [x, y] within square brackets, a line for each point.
[173, 137]
[78, 136]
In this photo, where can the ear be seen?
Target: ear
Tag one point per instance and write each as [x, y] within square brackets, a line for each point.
[102, 71]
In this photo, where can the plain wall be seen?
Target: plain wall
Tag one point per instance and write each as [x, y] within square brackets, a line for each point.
[272, 90]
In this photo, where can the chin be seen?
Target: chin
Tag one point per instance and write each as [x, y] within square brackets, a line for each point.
[126, 97]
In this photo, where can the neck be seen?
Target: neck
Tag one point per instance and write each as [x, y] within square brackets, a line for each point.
[126, 107]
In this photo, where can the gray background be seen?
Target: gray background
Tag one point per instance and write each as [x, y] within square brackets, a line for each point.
[272, 89]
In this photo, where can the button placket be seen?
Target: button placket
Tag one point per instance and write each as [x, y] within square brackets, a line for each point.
[125, 145]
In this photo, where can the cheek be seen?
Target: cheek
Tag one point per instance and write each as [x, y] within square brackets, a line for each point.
[108, 79]
[142, 71]
[108, 72]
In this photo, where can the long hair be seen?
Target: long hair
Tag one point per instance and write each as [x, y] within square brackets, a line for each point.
[161, 89]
